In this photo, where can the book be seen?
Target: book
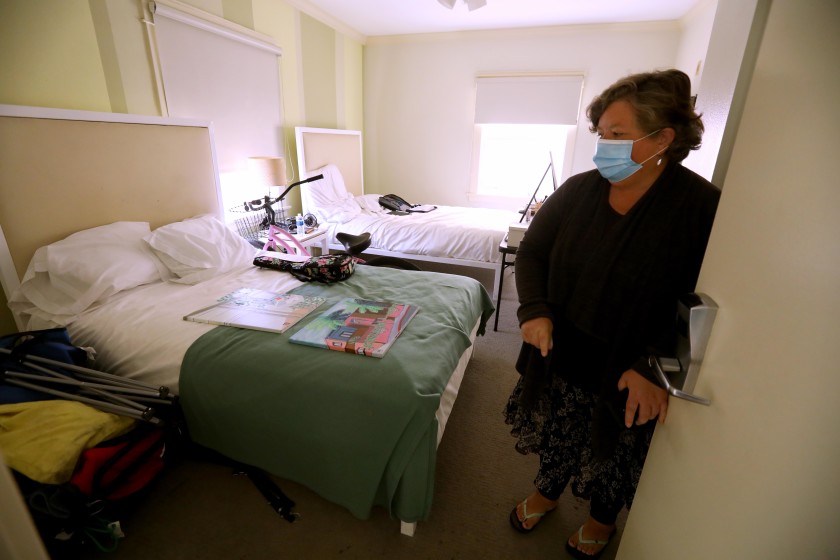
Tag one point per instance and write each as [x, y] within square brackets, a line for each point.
[358, 326]
[261, 310]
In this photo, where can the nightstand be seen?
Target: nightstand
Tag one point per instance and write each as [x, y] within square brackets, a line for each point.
[505, 250]
[316, 237]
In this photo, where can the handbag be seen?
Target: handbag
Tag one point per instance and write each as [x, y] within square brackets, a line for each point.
[326, 269]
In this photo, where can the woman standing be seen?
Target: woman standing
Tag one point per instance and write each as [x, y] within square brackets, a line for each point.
[598, 273]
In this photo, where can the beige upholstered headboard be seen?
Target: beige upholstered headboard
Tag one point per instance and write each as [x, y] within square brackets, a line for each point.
[317, 147]
[65, 171]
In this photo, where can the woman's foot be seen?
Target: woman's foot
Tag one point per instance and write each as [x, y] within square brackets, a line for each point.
[530, 511]
[590, 540]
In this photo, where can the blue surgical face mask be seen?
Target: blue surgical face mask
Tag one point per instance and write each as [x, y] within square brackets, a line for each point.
[612, 158]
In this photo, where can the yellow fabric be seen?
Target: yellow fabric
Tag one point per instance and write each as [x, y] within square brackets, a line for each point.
[44, 439]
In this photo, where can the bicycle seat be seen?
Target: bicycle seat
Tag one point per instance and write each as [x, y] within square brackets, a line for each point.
[354, 244]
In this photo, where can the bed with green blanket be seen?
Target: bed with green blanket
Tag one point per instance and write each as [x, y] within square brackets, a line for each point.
[359, 431]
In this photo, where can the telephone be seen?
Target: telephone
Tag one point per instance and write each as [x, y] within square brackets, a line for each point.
[394, 203]
[397, 204]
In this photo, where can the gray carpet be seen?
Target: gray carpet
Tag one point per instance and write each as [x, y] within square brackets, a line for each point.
[199, 510]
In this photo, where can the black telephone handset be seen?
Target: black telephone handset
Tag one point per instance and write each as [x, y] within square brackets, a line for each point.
[394, 203]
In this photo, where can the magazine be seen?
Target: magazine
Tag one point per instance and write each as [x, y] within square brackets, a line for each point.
[358, 326]
[261, 310]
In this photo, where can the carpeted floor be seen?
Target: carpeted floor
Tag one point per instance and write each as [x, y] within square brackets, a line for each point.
[199, 510]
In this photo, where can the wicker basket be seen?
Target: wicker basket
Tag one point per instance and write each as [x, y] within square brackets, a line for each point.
[253, 225]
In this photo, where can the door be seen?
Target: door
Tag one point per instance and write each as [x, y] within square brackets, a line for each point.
[757, 474]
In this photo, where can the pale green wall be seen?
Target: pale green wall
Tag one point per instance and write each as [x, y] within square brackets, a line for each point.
[49, 55]
[353, 85]
[318, 49]
[95, 55]
[237, 11]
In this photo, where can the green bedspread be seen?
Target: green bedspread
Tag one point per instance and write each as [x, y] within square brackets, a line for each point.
[360, 431]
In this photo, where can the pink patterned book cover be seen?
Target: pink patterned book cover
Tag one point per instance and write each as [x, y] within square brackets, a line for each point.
[357, 326]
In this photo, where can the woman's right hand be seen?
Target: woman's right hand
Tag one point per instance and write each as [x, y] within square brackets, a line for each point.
[537, 332]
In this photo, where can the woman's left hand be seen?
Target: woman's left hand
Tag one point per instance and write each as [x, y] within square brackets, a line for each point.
[650, 400]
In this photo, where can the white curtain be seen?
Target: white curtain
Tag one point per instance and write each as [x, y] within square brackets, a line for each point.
[528, 99]
[214, 72]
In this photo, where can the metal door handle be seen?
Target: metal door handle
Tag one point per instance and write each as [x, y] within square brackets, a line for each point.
[653, 361]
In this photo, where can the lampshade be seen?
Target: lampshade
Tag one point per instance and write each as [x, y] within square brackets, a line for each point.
[267, 171]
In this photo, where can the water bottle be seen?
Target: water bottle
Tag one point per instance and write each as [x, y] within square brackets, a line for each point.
[300, 225]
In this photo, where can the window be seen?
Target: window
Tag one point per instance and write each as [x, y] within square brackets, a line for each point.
[522, 123]
[513, 158]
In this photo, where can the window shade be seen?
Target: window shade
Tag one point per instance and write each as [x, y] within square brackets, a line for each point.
[528, 100]
[216, 73]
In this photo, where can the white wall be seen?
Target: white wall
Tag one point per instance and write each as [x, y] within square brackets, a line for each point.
[694, 41]
[420, 91]
[18, 537]
[722, 89]
[420, 94]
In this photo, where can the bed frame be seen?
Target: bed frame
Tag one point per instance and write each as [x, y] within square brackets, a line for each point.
[161, 172]
[317, 147]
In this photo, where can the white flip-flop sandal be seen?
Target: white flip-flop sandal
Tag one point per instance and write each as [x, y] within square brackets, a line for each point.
[581, 555]
[519, 525]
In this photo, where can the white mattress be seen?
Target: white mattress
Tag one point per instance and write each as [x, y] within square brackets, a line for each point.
[140, 333]
[449, 231]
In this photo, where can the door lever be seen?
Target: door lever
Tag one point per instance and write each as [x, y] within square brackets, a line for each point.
[653, 361]
[695, 316]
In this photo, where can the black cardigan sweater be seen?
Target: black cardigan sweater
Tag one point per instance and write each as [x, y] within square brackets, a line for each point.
[610, 283]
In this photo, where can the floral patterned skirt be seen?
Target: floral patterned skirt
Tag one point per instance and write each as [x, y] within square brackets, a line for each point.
[558, 428]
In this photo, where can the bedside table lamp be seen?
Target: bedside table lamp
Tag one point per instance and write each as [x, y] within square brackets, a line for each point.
[269, 172]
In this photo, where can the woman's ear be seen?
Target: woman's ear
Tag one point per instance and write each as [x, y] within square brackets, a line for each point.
[666, 137]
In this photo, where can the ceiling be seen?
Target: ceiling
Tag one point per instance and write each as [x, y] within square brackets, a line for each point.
[373, 18]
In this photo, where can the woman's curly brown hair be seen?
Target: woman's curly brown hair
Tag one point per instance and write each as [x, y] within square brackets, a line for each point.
[661, 99]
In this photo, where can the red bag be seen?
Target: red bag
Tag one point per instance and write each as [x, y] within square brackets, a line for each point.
[121, 466]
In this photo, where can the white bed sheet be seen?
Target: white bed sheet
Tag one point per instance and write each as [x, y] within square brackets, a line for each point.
[140, 334]
[449, 232]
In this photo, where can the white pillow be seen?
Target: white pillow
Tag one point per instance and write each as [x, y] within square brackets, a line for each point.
[200, 248]
[328, 198]
[370, 203]
[68, 276]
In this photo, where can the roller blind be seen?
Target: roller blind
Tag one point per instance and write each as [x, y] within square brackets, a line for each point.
[212, 71]
[528, 99]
